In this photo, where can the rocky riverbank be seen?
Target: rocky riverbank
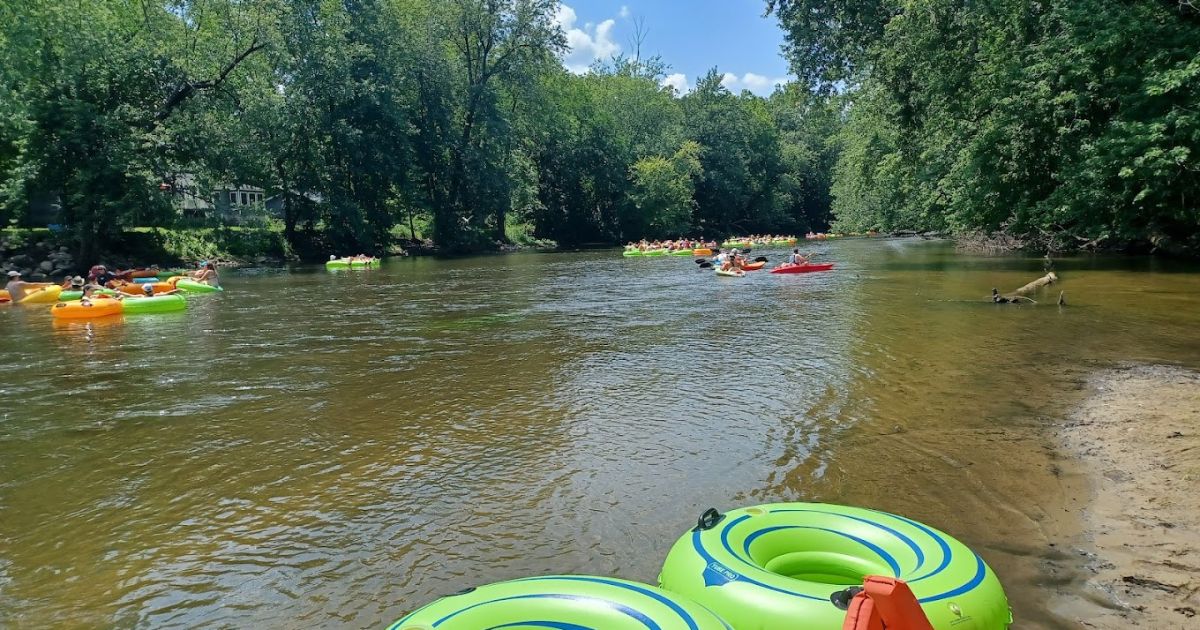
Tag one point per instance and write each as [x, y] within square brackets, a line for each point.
[38, 260]
[41, 255]
[1138, 436]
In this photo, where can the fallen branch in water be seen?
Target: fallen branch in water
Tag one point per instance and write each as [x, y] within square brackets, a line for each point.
[1049, 278]
[1009, 299]
[1020, 294]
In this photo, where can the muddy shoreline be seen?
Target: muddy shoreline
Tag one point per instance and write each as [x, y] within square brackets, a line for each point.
[1137, 439]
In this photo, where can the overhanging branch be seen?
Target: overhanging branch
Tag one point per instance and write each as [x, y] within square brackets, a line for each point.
[189, 88]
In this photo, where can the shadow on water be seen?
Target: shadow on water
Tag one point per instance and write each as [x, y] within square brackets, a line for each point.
[335, 449]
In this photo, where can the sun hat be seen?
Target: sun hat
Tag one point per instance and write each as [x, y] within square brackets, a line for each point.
[14, 273]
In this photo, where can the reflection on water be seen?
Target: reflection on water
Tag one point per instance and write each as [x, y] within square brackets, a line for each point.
[333, 449]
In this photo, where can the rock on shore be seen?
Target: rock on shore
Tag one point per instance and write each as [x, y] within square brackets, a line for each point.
[38, 261]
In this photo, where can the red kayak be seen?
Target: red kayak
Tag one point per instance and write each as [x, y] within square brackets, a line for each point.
[805, 268]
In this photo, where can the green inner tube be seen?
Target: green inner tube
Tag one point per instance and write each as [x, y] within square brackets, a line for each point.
[655, 252]
[155, 304]
[563, 602]
[70, 296]
[770, 565]
[345, 264]
[191, 286]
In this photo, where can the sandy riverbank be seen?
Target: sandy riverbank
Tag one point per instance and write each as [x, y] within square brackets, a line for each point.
[1138, 435]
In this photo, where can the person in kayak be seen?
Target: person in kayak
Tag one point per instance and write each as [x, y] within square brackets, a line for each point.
[737, 261]
[731, 262]
[722, 258]
[796, 259]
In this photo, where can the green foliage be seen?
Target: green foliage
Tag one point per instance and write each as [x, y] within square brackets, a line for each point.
[1069, 121]
[202, 244]
[377, 120]
[663, 190]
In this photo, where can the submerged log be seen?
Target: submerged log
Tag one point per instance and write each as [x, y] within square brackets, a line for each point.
[1020, 294]
[1008, 299]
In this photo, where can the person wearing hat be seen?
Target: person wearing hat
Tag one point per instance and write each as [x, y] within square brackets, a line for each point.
[101, 276]
[18, 288]
[148, 290]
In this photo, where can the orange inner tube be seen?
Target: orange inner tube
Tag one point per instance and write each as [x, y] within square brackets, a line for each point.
[102, 306]
[136, 289]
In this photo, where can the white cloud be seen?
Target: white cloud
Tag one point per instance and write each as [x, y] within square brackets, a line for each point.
[587, 44]
[678, 81]
[756, 83]
[624, 12]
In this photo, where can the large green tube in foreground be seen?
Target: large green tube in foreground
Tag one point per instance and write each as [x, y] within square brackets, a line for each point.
[563, 602]
[775, 566]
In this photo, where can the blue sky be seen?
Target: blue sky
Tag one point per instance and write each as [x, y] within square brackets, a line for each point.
[692, 36]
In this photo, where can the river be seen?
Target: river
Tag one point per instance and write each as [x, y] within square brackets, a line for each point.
[333, 449]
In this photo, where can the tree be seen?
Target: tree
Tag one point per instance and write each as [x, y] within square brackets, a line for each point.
[1071, 123]
[664, 189]
[494, 41]
[102, 84]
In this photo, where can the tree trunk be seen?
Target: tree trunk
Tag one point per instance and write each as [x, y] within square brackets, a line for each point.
[289, 218]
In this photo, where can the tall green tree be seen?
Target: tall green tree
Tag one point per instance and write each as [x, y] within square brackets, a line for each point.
[664, 191]
[494, 44]
[102, 84]
[1067, 121]
[740, 155]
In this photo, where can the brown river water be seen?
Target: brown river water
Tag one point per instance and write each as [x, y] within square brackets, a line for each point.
[334, 449]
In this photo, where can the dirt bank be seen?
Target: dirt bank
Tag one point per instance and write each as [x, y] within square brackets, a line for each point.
[1138, 434]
